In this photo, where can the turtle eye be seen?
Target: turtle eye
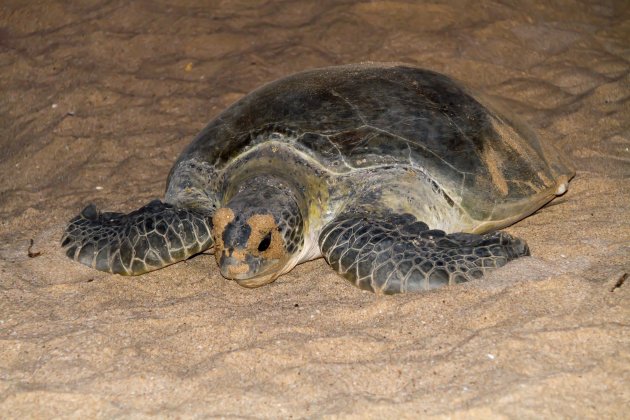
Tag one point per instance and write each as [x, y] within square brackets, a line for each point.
[264, 244]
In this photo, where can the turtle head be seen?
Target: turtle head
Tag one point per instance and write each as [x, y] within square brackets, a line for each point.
[257, 235]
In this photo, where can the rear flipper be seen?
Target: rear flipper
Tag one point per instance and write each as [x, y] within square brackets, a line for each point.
[149, 238]
[396, 253]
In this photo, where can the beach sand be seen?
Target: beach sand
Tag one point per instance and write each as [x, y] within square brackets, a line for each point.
[98, 99]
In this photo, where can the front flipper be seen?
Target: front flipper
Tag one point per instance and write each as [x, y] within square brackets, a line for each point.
[149, 238]
[396, 253]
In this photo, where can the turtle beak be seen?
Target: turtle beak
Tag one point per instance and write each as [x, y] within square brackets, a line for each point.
[258, 281]
[233, 269]
[246, 274]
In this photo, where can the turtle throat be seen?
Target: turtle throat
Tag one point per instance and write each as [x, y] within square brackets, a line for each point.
[258, 232]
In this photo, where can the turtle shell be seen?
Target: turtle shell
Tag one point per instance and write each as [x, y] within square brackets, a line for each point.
[384, 115]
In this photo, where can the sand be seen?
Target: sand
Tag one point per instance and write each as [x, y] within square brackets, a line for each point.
[98, 98]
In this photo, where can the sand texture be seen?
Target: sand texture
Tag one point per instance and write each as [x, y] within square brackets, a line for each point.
[97, 99]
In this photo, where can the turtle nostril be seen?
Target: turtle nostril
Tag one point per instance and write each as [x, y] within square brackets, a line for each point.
[264, 244]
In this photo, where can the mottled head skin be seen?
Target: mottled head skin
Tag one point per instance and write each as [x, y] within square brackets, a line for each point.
[258, 234]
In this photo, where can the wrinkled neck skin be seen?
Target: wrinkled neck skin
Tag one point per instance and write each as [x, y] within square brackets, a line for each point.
[258, 232]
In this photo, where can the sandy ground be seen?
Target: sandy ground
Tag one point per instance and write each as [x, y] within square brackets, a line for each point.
[98, 98]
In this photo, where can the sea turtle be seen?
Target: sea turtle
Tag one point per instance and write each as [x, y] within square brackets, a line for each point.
[394, 174]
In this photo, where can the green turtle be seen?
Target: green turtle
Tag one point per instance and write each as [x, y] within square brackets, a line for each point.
[398, 176]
